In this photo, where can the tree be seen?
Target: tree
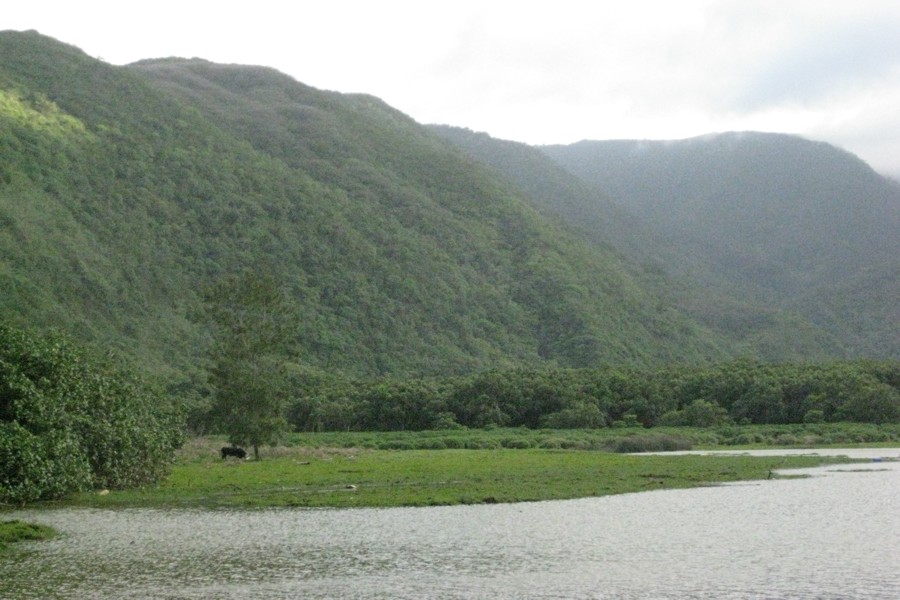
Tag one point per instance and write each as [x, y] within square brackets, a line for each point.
[253, 326]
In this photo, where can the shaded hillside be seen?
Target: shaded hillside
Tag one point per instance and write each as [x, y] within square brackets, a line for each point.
[756, 329]
[556, 192]
[797, 224]
[125, 190]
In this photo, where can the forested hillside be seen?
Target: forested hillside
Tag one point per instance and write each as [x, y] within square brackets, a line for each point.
[796, 224]
[127, 191]
[755, 325]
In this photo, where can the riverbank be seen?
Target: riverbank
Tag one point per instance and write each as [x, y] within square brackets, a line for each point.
[330, 476]
[831, 533]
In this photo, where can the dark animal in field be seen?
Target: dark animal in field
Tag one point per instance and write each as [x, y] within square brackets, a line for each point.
[233, 451]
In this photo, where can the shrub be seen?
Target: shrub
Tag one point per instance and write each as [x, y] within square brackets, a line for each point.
[582, 416]
[659, 442]
[814, 416]
[433, 444]
[452, 442]
[70, 420]
[520, 443]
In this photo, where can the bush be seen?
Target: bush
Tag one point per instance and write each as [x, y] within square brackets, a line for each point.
[814, 416]
[651, 443]
[452, 442]
[516, 443]
[70, 420]
[39, 466]
[432, 444]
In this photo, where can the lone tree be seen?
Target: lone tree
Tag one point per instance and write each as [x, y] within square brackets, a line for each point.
[253, 326]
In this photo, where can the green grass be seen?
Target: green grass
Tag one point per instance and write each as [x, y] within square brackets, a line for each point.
[357, 477]
[16, 531]
[613, 439]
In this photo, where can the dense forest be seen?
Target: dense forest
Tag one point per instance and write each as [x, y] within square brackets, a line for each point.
[741, 392]
[793, 223]
[128, 190]
[427, 277]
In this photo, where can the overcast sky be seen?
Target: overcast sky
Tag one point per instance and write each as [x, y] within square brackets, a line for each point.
[545, 72]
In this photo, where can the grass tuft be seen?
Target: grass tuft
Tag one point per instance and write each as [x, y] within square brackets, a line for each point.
[18, 531]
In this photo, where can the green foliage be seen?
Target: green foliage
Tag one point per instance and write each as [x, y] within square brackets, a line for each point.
[785, 222]
[742, 392]
[655, 442]
[71, 420]
[17, 531]
[606, 439]
[699, 413]
[403, 256]
[252, 324]
[322, 475]
[127, 192]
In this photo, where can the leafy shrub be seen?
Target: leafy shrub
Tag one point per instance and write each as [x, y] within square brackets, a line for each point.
[651, 443]
[516, 443]
[453, 442]
[814, 416]
[432, 444]
[70, 420]
[581, 416]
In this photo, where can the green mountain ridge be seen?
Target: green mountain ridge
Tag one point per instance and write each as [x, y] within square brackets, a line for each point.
[795, 224]
[757, 328]
[125, 191]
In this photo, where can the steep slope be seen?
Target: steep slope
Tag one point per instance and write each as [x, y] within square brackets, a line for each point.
[781, 219]
[557, 193]
[758, 330]
[125, 190]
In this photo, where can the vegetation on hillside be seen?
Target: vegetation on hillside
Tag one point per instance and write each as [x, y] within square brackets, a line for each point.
[402, 255]
[779, 219]
[420, 286]
[752, 324]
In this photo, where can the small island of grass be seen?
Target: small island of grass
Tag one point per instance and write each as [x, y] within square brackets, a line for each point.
[17, 531]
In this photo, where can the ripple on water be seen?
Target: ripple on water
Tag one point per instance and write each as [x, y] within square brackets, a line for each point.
[831, 536]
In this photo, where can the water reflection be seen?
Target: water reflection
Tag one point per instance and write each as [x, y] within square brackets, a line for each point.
[830, 536]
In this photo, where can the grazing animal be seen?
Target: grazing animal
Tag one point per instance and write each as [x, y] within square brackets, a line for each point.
[233, 451]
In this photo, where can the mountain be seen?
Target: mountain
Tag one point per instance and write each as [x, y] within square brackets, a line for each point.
[127, 191]
[757, 328]
[797, 224]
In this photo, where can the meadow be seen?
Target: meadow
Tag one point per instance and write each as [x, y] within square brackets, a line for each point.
[456, 467]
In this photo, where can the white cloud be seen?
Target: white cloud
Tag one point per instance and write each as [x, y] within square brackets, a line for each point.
[546, 72]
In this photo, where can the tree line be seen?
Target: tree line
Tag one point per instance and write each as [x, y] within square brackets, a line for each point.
[259, 390]
[742, 392]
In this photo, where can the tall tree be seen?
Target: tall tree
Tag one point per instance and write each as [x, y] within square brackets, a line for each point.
[253, 326]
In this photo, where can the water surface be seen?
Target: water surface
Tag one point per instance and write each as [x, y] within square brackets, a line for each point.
[833, 535]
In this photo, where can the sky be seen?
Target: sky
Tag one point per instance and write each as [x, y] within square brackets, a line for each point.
[544, 72]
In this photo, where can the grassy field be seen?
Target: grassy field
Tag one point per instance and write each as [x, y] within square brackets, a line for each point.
[318, 472]
[612, 439]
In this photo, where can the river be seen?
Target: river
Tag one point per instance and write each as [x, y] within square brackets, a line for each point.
[833, 535]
